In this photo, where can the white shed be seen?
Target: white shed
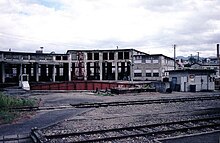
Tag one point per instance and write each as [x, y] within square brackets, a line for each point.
[192, 80]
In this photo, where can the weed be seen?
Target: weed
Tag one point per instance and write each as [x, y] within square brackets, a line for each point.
[7, 102]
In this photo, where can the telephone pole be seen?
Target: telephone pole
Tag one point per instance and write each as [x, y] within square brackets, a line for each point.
[174, 47]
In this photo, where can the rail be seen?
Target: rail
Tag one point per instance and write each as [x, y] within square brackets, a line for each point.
[147, 131]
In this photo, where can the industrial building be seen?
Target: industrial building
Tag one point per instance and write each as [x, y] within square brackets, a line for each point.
[39, 66]
[116, 65]
[192, 80]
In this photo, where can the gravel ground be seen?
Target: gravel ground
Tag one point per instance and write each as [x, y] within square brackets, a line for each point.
[131, 115]
[72, 120]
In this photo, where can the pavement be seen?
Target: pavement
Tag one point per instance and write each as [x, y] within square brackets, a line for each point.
[46, 118]
[40, 120]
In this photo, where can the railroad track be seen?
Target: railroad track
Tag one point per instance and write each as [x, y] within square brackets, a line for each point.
[119, 103]
[142, 102]
[18, 138]
[148, 131]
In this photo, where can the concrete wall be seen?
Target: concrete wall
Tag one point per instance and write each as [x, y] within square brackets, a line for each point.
[187, 81]
[152, 65]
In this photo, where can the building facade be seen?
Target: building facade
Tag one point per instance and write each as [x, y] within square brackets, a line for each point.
[39, 66]
[151, 67]
[192, 80]
[118, 64]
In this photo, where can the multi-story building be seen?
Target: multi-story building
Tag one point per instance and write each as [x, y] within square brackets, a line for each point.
[151, 67]
[118, 64]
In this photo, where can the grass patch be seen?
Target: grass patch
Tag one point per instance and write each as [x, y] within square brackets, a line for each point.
[7, 102]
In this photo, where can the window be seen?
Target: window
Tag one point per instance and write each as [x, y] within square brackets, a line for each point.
[61, 71]
[32, 71]
[148, 61]
[137, 74]
[138, 57]
[155, 74]
[65, 57]
[105, 56]
[126, 55]
[137, 61]
[74, 56]
[39, 70]
[148, 74]
[47, 71]
[120, 55]
[96, 56]
[58, 57]
[89, 56]
[111, 56]
[155, 61]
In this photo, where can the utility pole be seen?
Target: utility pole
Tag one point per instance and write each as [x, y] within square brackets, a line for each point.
[198, 58]
[218, 59]
[174, 47]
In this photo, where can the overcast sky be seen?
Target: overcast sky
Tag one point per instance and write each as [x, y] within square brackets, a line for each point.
[151, 26]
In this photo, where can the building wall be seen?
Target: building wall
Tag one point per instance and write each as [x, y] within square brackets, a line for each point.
[186, 81]
[119, 64]
[39, 66]
[105, 64]
[152, 67]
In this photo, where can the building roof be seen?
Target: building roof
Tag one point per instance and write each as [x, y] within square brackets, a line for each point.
[192, 71]
[96, 50]
[162, 55]
[29, 53]
[106, 50]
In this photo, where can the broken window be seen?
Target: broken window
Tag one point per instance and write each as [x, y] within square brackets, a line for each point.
[89, 56]
[111, 56]
[96, 56]
[58, 57]
[65, 57]
[120, 55]
[126, 55]
[105, 56]
[155, 74]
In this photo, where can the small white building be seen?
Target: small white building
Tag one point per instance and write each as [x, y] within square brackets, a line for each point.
[192, 80]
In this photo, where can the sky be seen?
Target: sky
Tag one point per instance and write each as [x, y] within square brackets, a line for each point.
[151, 26]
